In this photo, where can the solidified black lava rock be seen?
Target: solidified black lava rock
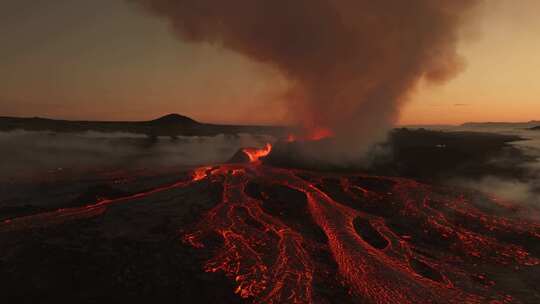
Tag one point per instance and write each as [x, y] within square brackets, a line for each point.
[239, 157]
[293, 155]
[425, 270]
[369, 234]
[97, 193]
[288, 205]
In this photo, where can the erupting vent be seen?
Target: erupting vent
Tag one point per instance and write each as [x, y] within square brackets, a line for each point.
[255, 154]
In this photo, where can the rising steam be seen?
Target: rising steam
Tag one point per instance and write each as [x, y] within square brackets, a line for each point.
[350, 63]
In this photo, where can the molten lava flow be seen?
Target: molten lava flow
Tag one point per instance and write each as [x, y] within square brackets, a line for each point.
[255, 154]
[92, 209]
[272, 262]
[292, 236]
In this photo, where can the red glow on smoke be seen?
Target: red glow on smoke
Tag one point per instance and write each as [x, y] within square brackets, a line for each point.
[313, 134]
[319, 133]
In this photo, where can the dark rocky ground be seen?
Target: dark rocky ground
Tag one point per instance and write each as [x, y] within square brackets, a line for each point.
[132, 252]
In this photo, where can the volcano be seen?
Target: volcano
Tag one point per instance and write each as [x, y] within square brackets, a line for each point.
[278, 235]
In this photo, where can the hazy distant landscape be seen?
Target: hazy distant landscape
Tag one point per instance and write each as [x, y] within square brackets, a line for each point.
[170, 125]
[34, 146]
[39, 145]
[522, 187]
[499, 157]
[79, 194]
[270, 152]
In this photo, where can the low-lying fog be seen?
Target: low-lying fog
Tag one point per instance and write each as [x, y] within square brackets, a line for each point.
[32, 153]
[525, 189]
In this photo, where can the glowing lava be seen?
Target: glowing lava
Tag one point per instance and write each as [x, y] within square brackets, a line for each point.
[271, 261]
[292, 236]
[255, 154]
[312, 134]
[319, 133]
[291, 138]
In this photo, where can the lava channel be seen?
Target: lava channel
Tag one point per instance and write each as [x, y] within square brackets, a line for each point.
[288, 236]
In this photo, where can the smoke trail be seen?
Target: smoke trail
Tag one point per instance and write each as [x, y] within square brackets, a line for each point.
[351, 63]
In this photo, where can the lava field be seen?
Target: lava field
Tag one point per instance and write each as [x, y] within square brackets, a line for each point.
[249, 232]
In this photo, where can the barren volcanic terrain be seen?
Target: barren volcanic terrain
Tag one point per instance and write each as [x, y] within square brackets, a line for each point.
[248, 231]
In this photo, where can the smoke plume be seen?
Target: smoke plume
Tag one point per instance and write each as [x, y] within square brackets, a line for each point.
[350, 63]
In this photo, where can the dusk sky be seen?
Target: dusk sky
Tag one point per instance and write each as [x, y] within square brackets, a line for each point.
[110, 60]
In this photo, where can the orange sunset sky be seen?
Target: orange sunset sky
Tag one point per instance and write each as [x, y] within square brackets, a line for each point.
[105, 60]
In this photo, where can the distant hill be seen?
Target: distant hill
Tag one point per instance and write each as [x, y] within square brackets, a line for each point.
[526, 125]
[174, 119]
[428, 126]
[169, 125]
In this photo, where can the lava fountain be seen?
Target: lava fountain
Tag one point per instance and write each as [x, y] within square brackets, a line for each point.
[255, 154]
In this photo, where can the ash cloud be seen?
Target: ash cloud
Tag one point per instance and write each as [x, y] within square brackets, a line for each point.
[350, 63]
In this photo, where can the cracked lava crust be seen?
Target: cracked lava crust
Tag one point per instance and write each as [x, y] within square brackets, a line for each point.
[297, 236]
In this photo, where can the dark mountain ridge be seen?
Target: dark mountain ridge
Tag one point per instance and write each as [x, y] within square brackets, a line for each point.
[169, 125]
[528, 124]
